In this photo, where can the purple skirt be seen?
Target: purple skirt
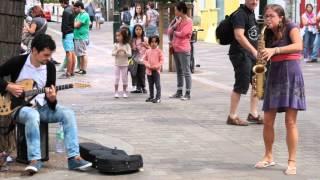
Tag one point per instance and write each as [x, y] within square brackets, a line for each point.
[284, 87]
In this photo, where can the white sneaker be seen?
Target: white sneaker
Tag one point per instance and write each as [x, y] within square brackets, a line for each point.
[125, 95]
[116, 95]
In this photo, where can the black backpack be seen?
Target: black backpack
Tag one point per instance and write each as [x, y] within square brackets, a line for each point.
[224, 31]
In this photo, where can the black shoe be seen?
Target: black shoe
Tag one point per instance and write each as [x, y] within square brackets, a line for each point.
[136, 91]
[82, 72]
[150, 99]
[186, 96]
[177, 95]
[157, 100]
[314, 60]
[144, 91]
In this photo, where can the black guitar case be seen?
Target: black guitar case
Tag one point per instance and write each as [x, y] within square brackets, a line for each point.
[112, 161]
[86, 148]
[116, 162]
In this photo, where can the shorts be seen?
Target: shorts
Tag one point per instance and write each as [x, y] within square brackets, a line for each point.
[80, 47]
[242, 65]
[68, 43]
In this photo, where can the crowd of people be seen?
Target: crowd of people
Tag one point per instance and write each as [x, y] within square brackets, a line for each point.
[137, 51]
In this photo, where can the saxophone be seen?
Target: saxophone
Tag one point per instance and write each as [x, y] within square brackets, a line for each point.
[260, 68]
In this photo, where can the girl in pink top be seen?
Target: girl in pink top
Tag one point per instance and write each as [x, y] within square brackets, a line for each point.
[153, 61]
[180, 31]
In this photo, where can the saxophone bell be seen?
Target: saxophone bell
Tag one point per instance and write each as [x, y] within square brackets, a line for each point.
[259, 68]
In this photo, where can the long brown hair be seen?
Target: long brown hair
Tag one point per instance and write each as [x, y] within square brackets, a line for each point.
[270, 36]
[37, 11]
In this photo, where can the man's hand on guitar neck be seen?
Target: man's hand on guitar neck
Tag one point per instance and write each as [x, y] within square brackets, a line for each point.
[51, 93]
[15, 89]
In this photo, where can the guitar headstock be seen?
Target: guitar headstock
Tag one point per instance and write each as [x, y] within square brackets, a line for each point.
[81, 85]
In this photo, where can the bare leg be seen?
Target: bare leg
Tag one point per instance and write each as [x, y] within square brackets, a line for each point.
[268, 134]
[235, 99]
[253, 105]
[292, 136]
[70, 65]
[84, 62]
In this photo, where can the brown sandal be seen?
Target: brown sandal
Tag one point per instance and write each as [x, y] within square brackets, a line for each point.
[236, 121]
[257, 120]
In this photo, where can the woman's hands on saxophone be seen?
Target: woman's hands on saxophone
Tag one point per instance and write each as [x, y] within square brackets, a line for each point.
[267, 53]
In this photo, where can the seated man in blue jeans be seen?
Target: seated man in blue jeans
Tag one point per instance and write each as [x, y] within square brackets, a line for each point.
[37, 66]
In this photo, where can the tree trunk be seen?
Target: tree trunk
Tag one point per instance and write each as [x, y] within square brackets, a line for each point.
[11, 23]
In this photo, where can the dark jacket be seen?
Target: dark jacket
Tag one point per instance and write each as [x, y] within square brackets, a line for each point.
[13, 68]
[67, 24]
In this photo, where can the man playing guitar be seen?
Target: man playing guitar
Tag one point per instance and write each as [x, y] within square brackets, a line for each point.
[37, 66]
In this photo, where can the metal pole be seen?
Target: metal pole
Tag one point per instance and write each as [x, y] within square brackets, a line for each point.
[116, 18]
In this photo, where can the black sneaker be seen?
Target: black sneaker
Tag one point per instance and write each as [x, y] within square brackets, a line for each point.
[314, 60]
[157, 100]
[136, 91]
[144, 91]
[82, 72]
[186, 97]
[149, 99]
[177, 95]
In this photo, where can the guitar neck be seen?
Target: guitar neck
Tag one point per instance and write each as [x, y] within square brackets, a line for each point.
[42, 90]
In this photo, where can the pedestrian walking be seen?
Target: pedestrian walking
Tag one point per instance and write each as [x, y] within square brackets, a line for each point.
[243, 54]
[309, 28]
[67, 27]
[153, 61]
[121, 51]
[181, 31]
[81, 35]
[139, 47]
[152, 20]
[285, 85]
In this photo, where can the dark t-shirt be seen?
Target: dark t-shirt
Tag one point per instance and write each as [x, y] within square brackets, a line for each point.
[246, 20]
[39, 21]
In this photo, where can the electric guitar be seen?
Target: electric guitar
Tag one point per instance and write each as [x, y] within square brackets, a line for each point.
[9, 103]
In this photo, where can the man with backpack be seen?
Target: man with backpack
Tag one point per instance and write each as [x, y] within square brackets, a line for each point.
[126, 16]
[243, 54]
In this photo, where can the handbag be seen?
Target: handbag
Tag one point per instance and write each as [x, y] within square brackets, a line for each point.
[133, 67]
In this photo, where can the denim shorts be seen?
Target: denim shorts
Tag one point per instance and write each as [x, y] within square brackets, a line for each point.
[242, 65]
[68, 43]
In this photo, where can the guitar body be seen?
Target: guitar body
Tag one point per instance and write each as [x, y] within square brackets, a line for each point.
[8, 102]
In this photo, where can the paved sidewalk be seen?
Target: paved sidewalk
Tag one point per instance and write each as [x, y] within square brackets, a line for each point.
[183, 140]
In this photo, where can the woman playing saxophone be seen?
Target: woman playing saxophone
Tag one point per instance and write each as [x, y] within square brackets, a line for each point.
[284, 90]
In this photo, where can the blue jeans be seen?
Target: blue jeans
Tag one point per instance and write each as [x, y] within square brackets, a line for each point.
[31, 118]
[308, 40]
[316, 46]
